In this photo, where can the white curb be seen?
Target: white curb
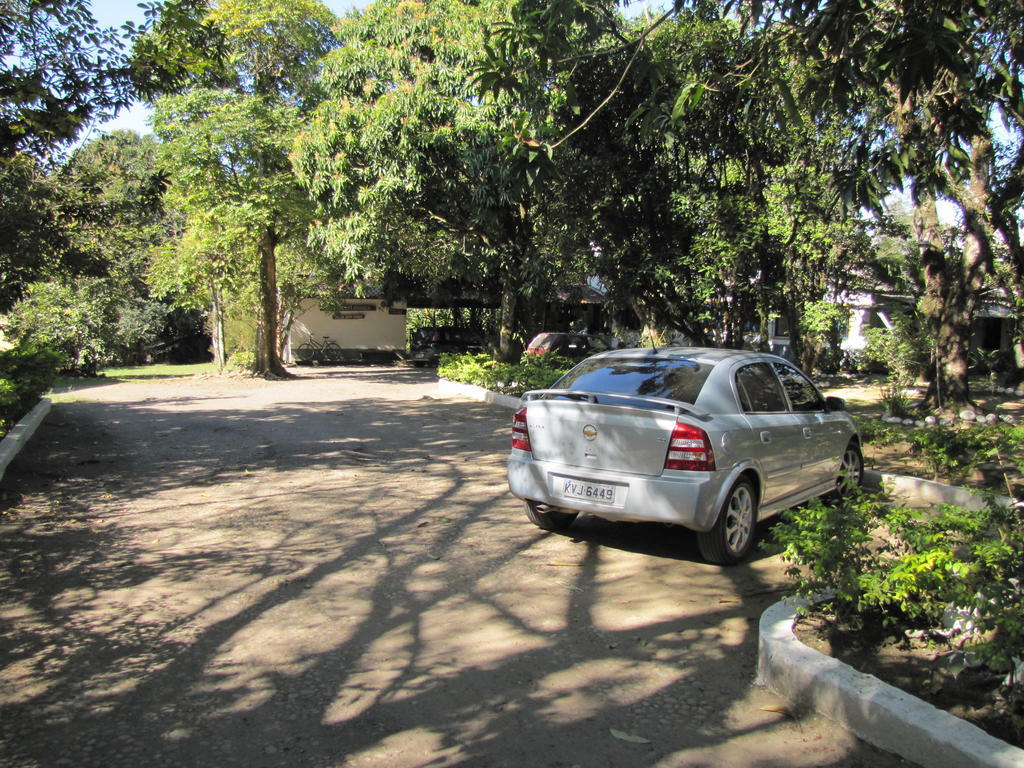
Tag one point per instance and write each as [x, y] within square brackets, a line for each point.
[905, 487]
[877, 712]
[16, 439]
[472, 391]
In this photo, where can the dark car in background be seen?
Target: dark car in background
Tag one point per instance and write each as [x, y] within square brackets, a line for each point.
[428, 343]
[575, 346]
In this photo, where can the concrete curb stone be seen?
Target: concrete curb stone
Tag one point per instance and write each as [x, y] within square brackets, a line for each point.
[16, 439]
[448, 388]
[879, 713]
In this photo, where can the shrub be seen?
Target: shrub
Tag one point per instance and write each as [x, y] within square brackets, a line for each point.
[877, 432]
[532, 371]
[26, 373]
[905, 568]
[90, 320]
[903, 352]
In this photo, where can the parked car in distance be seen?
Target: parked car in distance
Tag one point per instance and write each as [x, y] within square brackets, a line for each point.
[709, 439]
[575, 346]
[429, 342]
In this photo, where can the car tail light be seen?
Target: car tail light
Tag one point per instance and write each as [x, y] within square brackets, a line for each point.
[690, 448]
[520, 431]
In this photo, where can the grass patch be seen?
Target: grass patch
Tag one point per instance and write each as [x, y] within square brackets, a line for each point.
[67, 384]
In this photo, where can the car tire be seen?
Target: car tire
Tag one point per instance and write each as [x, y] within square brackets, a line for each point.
[851, 471]
[732, 537]
[547, 517]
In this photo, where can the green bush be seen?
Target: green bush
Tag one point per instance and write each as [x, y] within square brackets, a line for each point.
[532, 371]
[90, 320]
[877, 432]
[952, 452]
[905, 568]
[26, 373]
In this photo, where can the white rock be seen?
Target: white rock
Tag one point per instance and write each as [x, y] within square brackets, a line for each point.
[991, 418]
[908, 422]
[968, 415]
[931, 421]
[1019, 392]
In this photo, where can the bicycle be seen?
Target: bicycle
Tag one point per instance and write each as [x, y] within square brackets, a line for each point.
[313, 352]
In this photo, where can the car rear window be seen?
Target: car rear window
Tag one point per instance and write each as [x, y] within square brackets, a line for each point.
[672, 379]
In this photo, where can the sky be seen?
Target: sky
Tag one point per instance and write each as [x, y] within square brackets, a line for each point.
[114, 13]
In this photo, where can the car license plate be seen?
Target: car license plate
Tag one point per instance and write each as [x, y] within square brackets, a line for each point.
[596, 492]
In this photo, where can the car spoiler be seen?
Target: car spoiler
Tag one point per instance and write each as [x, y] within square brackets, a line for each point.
[592, 397]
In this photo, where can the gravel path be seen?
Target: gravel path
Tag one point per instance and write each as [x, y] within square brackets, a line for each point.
[329, 571]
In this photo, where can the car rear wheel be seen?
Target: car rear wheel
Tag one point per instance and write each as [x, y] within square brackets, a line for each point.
[547, 517]
[851, 471]
[732, 537]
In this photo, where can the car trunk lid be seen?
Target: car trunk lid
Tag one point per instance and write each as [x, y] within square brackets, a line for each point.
[599, 436]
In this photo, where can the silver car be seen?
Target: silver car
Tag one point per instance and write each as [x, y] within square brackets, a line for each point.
[710, 439]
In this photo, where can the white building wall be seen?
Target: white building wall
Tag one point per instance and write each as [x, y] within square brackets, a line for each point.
[360, 324]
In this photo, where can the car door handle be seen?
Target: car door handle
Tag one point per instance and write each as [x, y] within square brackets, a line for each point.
[766, 437]
[808, 433]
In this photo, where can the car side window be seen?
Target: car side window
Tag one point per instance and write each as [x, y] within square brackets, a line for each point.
[803, 395]
[759, 389]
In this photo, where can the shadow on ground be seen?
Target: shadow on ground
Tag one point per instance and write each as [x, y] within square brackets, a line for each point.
[347, 582]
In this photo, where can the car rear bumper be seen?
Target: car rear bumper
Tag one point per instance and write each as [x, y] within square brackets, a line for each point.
[689, 499]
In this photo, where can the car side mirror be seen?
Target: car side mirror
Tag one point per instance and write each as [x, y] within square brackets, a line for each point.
[834, 404]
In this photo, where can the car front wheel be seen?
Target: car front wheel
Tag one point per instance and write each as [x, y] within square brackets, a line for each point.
[547, 517]
[732, 537]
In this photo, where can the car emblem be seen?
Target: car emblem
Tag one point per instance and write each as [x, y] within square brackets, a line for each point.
[590, 431]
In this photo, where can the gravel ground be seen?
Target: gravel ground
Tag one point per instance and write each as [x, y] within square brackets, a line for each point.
[330, 571]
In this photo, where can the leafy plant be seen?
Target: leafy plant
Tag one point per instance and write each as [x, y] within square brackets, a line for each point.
[532, 371]
[906, 567]
[828, 549]
[877, 432]
[949, 452]
[903, 351]
[26, 372]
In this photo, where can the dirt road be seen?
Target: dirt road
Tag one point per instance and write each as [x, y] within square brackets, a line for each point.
[330, 572]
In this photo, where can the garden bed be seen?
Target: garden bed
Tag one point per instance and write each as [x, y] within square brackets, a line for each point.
[913, 662]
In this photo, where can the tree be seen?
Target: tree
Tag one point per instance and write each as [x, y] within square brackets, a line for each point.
[34, 244]
[934, 73]
[706, 213]
[226, 148]
[110, 206]
[413, 171]
[59, 72]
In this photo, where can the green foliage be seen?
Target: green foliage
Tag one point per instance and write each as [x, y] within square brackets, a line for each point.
[902, 351]
[950, 452]
[59, 71]
[906, 567]
[953, 452]
[26, 373]
[532, 371]
[89, 321]
[877, 432]
[828, 548]
[34, 243]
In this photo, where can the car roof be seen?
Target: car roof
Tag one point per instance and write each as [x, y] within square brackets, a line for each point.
[712, 355]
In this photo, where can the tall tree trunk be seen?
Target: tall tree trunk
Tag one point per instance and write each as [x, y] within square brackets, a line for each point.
[268, 362]
[948, 309]
[507, 347]
[217, 329]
